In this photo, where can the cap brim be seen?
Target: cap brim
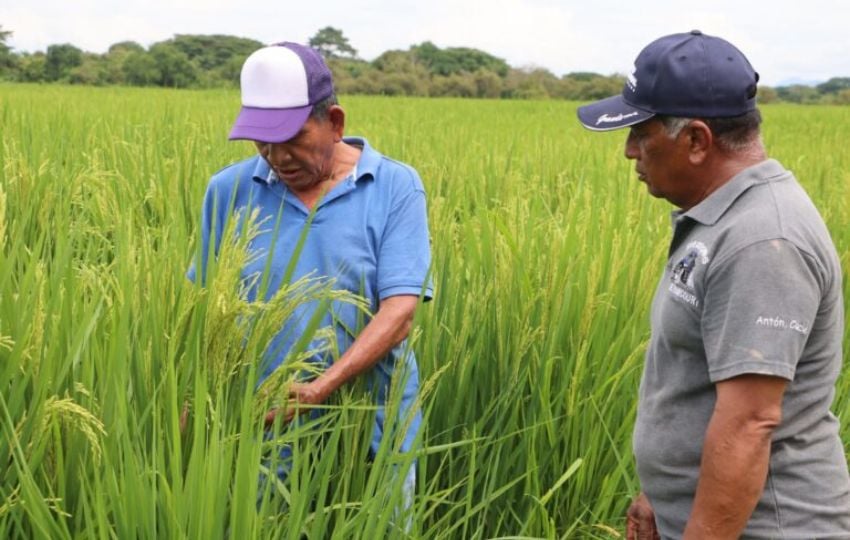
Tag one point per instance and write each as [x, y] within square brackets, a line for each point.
[611, 113]
[269, 125]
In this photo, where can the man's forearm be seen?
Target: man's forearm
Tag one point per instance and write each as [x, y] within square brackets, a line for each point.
[388, 328]
[732, 475]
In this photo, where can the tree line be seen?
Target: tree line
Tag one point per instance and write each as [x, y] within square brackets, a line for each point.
[213, 61]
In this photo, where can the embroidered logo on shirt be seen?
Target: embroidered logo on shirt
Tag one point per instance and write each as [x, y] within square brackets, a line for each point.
[682, 274]
[683, 271]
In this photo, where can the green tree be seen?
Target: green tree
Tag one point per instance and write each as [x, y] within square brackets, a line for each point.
[401, 62]
[139, 69]
[7, 59]
[356, 77]
[766, 94]
[210, 52]
[834, 85]
[125, 47]
[332, 43]
[61, 59]
[113, 60]
[91, 71]
[175, 68]
[349, 75]
[457, 60]
[213, 60]
[352, 67]
[4, 35]
[798, 93]
[454, 85]
[586, 86]
[531, 83]
[32, 67]
[582, 76]
[601, 87]
[228, 73]
[842, 97]
[487, 84]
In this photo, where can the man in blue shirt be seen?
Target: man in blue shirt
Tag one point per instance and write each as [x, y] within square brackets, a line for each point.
[366, 226]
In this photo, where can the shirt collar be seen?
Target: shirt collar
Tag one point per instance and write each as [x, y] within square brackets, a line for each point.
[712, 208]
[263, 172]
[370, 159]
[367, 165]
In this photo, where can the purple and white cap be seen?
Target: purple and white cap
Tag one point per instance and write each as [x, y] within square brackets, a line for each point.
[280, 84]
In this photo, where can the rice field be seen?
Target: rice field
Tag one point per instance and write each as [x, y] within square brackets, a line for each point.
[546, 253]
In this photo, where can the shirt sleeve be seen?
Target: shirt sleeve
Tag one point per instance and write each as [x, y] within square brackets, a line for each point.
[760, 305]
[404, 258]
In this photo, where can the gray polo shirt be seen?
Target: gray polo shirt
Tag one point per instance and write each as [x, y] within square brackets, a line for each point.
[752, 285]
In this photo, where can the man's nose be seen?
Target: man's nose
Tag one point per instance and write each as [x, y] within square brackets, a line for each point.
[631, 151]
[277, 152]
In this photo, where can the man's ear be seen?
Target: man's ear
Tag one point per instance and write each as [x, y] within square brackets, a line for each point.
[699, 139]
[336, 116]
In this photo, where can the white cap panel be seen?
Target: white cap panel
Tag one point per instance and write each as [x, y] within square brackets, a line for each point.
[274, 78]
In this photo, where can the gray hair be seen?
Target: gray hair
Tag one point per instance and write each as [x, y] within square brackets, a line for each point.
[674, 125]
[732, 133]
[320, 109]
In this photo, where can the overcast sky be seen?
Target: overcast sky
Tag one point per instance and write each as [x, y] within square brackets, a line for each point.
[784, 39]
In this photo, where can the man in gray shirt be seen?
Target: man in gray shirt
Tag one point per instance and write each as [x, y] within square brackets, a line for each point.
[734, 436]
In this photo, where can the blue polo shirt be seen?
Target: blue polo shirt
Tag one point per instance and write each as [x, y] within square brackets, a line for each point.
[369, 234]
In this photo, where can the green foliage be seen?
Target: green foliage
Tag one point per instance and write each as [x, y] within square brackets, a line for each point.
[210, 52]
[175, 68]
[208, 61]
[331, 43]
[455, 60]
[427, 70]
[216, 59]
[582, 76]
[456, 85]
[31, 67]
[842, 97]
[60, 60]
[140, 69]
[487, 84]
[113, 61]
[4, 35]
[766, 95]
[834, 85]
[7, 60]
[534, 83]
[400, 62]
[798, 94]
[125, 47]
[91, 71]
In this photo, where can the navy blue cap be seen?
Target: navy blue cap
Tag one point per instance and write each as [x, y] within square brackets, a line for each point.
[690, 75]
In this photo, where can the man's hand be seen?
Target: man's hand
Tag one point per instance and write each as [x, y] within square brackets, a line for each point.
[302, 396]
[640, 520]
[388, 328]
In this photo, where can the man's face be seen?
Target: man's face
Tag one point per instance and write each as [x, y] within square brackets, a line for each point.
[660, 161]
[305, 160]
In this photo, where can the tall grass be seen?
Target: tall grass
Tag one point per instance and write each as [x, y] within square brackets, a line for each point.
[546, 253]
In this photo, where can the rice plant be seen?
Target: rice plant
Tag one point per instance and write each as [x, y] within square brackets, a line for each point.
[546, 253]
